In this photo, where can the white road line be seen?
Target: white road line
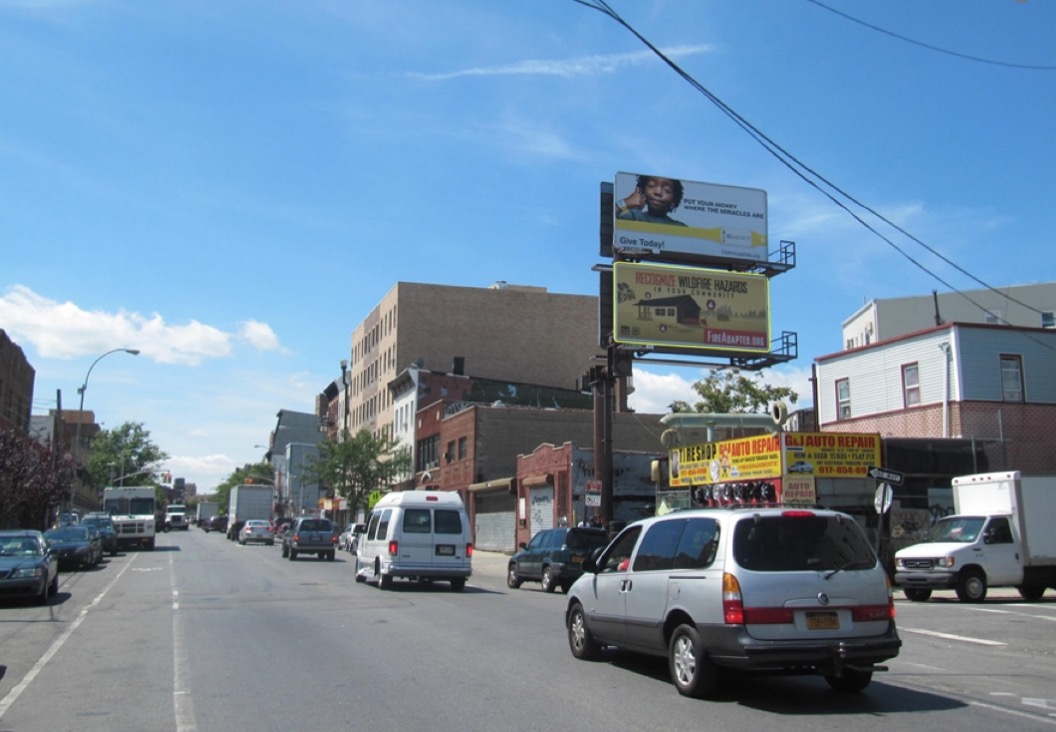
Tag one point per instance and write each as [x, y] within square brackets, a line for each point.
[12, 696]
[948, 636]
[1013, 712]
[182, 700]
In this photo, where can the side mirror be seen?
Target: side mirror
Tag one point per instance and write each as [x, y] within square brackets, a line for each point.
[590, 564]
[522, 545]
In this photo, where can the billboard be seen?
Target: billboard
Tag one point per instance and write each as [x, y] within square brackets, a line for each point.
[689, 221]
[801, 457]
[689, 307]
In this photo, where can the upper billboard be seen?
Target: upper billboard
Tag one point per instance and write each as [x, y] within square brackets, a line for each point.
[689, 221]
[664, 305]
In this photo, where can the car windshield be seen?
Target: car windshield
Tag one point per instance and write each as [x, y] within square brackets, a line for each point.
[19, 546]
[801, 541]
[956, 529]
[68, 533]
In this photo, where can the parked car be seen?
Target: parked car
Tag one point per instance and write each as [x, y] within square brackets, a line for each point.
[554, 557]
[28, 568]
[75, 546]
[773, 590]
[801, 466]
[279, 527]
[216, 523]
[257, 530]
[312, 536]
[105, 526]
[350, 536]
[357, 533]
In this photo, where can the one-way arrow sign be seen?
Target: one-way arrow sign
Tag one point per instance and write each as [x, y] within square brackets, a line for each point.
[887, 476]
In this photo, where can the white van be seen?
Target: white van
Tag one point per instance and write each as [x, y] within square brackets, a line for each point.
[416, 535]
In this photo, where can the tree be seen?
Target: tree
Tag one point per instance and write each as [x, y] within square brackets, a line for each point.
[33, 480]
[731, 392]
[125, 456]
[359, 464]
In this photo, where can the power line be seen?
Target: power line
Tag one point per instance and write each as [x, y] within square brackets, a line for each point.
[930, 47]
[801, 169]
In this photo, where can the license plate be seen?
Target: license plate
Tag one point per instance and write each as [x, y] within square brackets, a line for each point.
[576, 561]
[823, 621]
[445, 550]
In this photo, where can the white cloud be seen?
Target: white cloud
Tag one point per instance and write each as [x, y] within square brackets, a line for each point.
[64, 330]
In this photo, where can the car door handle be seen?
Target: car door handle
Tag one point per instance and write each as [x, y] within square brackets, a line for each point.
[625, 585]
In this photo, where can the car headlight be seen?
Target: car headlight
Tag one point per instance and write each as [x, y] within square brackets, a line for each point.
[947, 562]
[27, 572]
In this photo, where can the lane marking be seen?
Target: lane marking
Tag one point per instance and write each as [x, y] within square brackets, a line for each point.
[21, 686]
[949, 636]
[182, 700]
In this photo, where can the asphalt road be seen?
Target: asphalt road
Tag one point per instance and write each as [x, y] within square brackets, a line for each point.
[204, 634]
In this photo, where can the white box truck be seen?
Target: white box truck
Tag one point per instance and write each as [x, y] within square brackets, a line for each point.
[246, 502]
[131, 509]
[205, 511]
[176, 517]
[1000, 535]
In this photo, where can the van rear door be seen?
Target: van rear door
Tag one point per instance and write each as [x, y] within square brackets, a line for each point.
[449, 535]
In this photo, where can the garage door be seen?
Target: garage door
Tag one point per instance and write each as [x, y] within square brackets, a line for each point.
[541, 512]
[496, 523]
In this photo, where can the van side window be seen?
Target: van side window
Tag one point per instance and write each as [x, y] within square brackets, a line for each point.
[417, 521]
[447, 521]
[372, 530]
[698, 545]
[383, 523]
[658, 547]
[618, 555]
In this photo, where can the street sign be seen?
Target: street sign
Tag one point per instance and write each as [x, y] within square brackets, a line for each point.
[888, 476]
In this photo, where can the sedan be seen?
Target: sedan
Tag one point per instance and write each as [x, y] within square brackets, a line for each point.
[75, 546]
[27, 567]
[256, 530]
[105, 526]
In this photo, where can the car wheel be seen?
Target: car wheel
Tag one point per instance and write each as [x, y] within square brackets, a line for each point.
[330, 555]
[458, 584]
[293, 555]
[53, 586]
[512, 580]
[971, 586]
[692, 671]
[850, 681]
[580, 640]
[42, 598]
[285, 551]
[566, 586]
[385, 581]
[1031, 593]
[917, 595]
[547, 580]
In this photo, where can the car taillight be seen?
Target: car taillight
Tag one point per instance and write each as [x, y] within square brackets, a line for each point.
[296, 537]
[333, 539]
[768, 616]
[394, 548]
[469, 550]
[866, 613]
[732, 603]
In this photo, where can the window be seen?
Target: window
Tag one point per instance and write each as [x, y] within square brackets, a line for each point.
[910, 385]
[698, 545]
[659, 545]
[843, 399]
[1011, 378]
[615, 558]
[1048, 319]
[417, 521]
[448, 521]
[463, 447]
[383, 523]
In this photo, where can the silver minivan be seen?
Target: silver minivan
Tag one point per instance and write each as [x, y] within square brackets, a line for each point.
[771, 590]
[416, 535]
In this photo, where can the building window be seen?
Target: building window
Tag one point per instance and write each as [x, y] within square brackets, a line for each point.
[910, 385]
[1011, 378]
[843, 399]
[1048, 319]
[463, 447]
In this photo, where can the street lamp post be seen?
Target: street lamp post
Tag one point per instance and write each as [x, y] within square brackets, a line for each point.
[80, 411]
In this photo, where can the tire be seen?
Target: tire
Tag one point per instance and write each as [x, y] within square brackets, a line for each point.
[566, 586]
[293, 554]
[916, 595]
[385, 581]
[692, 672]
[53, 586]
[547, 580]
[150, 545]
[240, 541]
[971, 586]
[458, 584]
[512, 580]
[42, 598]
[851, 681]
[270, 543]
[1031, 593]
[580, 640]
[285, 551]
[330, 555]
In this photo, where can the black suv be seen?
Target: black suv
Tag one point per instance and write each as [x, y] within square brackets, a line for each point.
[554, 557]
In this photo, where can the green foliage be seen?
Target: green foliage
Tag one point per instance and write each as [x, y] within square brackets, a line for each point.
[731, 392]
[33, 481]
[126, 456]
[359, 464]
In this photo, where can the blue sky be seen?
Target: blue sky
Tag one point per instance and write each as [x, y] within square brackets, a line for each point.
[230, 187]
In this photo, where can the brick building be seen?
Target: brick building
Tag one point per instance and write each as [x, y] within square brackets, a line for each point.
[16, 385]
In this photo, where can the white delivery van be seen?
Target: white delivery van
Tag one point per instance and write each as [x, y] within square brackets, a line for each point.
[416, 535]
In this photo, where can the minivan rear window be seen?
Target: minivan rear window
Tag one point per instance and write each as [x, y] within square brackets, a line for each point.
[801, 542]
[417, 521]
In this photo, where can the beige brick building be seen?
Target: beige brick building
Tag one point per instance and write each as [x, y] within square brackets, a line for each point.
[516, 333]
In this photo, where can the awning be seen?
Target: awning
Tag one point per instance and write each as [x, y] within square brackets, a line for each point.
[490, 485]
[537, 481]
